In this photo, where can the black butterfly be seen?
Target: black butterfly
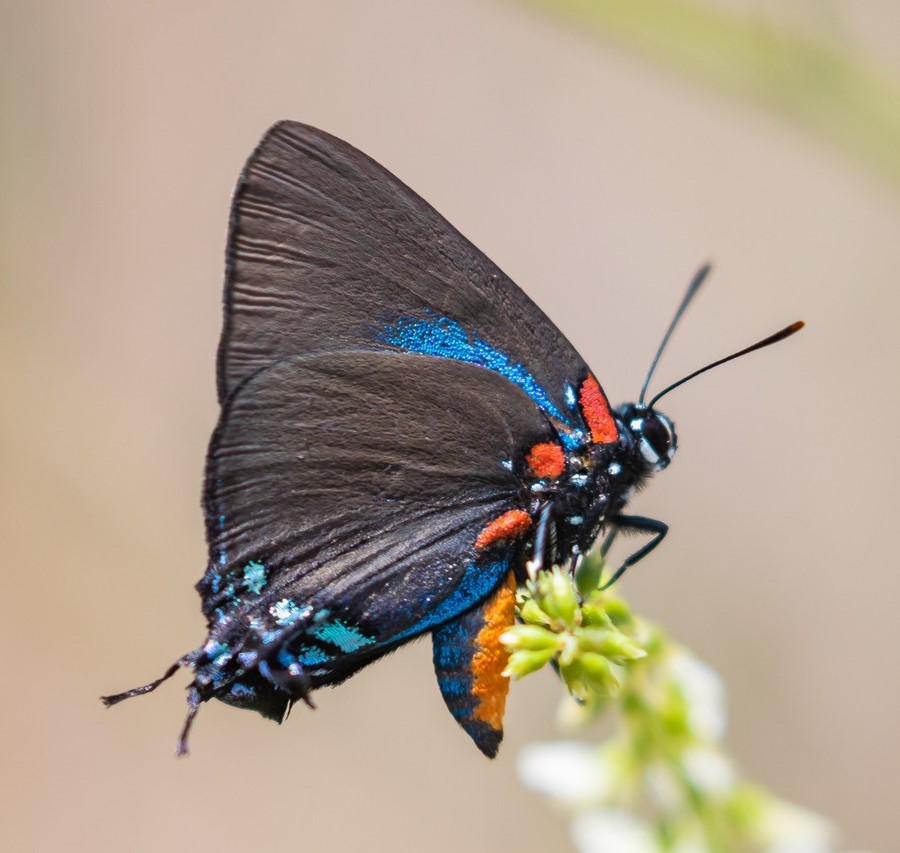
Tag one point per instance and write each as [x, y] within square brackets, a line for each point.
[401, 429]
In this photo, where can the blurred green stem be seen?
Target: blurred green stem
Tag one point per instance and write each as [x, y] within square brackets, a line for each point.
[665, 767]
[836, 93]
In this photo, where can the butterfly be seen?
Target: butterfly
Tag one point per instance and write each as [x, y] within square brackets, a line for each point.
[402, 430]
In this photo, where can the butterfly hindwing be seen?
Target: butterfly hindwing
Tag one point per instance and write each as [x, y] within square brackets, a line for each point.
[354, 501]
[469, 661]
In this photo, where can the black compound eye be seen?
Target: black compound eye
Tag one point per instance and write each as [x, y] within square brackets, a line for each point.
[657, 433]
[657, 439]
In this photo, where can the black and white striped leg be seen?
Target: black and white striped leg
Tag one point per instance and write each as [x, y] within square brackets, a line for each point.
[540, 541]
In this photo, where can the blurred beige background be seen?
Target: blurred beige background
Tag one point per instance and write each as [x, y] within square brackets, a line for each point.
[599, 182]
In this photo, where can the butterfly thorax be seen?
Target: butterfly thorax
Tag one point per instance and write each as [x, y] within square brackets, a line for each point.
[599, 479]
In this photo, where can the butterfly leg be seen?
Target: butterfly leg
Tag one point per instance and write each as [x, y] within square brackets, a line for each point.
[608, 541]
[540, 541]
[194, 701]
[638, 524]
[604, 550]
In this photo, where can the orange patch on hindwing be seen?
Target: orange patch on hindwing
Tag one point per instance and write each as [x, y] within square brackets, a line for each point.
[595, 409]
[510, 525]
[489, 685]
[546, 459]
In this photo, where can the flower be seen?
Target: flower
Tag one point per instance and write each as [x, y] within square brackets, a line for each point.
[703, 693]
[573, 773]
[613, 831]
[707, 770]
[662, 783]
[785, 828]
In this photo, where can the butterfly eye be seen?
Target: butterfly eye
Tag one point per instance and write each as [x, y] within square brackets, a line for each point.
[658, 440]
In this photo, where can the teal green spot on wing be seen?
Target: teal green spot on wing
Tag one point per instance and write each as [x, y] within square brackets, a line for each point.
[254, 577]
[309, 656]
[345, 637]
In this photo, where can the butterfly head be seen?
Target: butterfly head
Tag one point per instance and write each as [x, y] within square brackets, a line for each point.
[652, 433]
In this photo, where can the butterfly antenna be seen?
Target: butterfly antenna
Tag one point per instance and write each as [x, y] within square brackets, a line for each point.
[772, 339]
[194, 700]
[690, 293]
[109, 701]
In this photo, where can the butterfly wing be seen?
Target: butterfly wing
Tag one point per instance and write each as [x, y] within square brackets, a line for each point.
[355, 501]
[381, 381]
[329, 251]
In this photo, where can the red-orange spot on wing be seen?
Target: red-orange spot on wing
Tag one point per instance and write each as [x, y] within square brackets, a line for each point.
[489, 685]
[595, 410]
[546, 459]
[510, 525]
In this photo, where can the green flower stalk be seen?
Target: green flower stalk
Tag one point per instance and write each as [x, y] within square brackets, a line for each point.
[662, 782]
[581, 637]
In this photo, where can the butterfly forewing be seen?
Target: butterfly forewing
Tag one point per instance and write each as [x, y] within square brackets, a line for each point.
[329, 251]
